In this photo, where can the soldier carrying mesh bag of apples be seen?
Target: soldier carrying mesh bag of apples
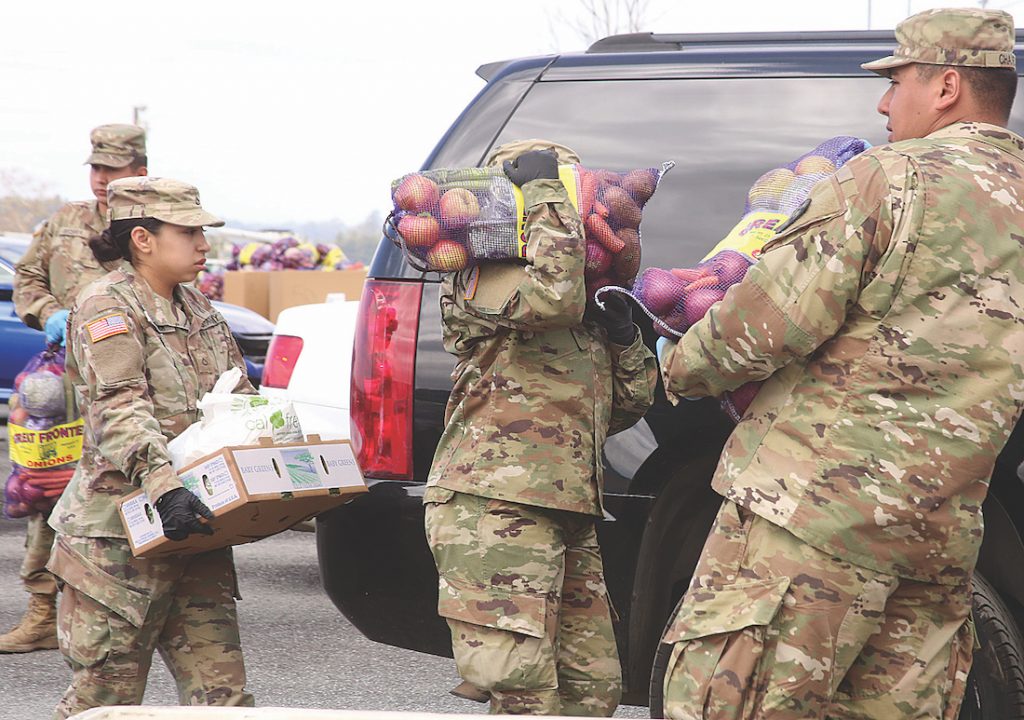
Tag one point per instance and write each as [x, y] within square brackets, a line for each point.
[542, 377]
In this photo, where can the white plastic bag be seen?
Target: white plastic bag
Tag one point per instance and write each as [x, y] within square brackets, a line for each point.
[229, 419]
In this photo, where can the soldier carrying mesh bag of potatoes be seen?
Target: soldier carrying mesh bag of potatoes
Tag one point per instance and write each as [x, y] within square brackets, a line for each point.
[542, 377]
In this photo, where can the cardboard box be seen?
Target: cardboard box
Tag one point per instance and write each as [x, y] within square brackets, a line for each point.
[254, 491]
[289, 288]
[250, 289]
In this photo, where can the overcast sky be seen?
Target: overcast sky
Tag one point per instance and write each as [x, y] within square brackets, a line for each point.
[302, 110]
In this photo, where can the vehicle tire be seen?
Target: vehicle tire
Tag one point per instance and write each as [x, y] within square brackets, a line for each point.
[674, 535]
[995, 687]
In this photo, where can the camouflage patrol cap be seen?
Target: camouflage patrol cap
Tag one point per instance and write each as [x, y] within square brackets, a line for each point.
[117, 146]
[967, 37]
[514, 149]
[171, 201]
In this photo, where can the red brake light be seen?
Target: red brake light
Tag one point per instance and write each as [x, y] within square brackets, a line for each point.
[282, 355]
[383, 371]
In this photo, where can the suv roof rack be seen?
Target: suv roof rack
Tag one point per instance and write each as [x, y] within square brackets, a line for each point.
[664, 42]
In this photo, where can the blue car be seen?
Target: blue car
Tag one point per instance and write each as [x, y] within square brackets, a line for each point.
[18, 342]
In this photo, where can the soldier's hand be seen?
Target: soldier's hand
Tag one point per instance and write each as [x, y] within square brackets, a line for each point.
[617, 318]
[180, 512]
[56, 326]
[533, 165]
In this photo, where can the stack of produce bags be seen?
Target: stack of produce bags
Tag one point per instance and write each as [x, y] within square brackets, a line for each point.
[44, 434]
[286, 253]
[449, 219]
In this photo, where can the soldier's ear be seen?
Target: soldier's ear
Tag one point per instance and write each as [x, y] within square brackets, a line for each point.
[949, 87]
[141, 171]
[142, 241]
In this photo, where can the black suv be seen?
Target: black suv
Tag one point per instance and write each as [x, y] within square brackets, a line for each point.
[725, 108]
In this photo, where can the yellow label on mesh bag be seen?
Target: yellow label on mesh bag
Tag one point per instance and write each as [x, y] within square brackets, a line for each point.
[570, 179]
[751, 233]
[37, 449]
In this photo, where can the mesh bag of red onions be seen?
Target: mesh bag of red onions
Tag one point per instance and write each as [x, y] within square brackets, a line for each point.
[677, 298]
[449, 219]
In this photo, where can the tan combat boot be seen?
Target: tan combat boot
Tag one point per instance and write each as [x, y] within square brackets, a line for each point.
[37, 629]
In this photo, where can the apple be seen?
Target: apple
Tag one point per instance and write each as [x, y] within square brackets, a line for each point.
[459, 207]
[448, 256]
[416, 193]
[419, 230]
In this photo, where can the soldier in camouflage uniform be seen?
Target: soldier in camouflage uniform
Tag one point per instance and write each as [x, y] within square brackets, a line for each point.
[886, 324]
[145, 347]
[56, 266]
[516, 480]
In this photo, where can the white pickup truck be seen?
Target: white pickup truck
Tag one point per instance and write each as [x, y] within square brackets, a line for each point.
[309, 361]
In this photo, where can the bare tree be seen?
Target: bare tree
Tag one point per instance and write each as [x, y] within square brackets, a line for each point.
[24, 201]
[595, 19]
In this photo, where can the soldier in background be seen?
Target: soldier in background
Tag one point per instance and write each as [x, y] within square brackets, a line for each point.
[516, 482]
[56, 266]
[836, 581]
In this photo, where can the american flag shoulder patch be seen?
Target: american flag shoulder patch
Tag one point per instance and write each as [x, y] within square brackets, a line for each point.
[107, 326]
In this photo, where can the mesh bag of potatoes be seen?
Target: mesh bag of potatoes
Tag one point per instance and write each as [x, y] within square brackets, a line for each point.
[677, 298]
[449, 219]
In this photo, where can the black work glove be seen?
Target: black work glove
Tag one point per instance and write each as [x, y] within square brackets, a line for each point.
[617, 318]
[533, 165]
[180, 511]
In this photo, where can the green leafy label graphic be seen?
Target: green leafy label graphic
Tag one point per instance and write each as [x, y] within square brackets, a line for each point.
[277, 419]
[257, 401]
[301, 466]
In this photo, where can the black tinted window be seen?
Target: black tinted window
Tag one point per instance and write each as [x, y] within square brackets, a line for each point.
[722, 134]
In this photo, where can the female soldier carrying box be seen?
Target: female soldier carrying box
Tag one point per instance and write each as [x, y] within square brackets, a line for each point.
[144, 348]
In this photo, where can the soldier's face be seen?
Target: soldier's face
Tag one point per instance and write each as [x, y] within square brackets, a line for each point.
[100, 175]
[909, 104]
[178, 253]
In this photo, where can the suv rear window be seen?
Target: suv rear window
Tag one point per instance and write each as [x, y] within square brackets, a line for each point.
[722, 134]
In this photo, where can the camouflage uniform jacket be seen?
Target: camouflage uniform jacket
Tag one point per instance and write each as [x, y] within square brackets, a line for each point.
[138, 388]
[889, 320]
[537, 388]
[58, 263]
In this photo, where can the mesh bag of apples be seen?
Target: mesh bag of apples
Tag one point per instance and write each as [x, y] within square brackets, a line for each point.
[449, 219]
[677, 298]
[45, 439]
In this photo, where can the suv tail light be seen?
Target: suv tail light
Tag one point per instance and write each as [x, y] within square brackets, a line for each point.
[282, 355]
[383, 369]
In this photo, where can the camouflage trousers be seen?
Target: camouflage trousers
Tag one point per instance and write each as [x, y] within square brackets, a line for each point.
[523, 591]
[115, 609]
[38, 544]
[773, 628]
